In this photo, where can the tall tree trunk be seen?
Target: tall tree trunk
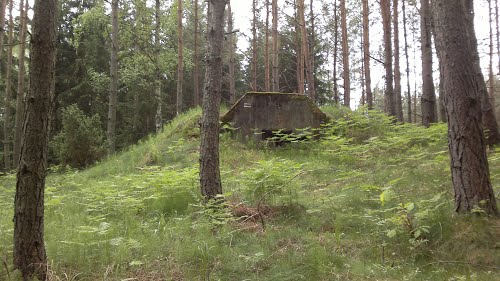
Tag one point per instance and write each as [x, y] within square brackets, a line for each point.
[209, 150]
[305, 52]
[275, 57]
[497, 25]
[158, 95]
[408, 88]
[311, 51]
[488, 116]
[8, 93]
[362, 74]
[18, 125]
[254, 46]
[389, 98]
[232, 82]
[491, 71]
[345, 54]
[466, 142]
[366, 54]
[180, 61]
[298, 44]
[196, 58]
[267, 72]
[335, 53]
[3, 5]
[29, 246]
[428, 102]
[113, 88]
[397, 68]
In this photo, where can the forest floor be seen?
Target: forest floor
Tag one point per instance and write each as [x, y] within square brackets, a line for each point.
[369, 201]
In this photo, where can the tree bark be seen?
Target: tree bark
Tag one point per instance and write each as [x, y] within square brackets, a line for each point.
[210, 181]
[491, 54]
[408, 88]
[232, 82]
[275, 57]
[488, 116]
[18, 125]
[113, 88]
[180, 61]
[305, 53]
[397, 68]
[311, 51]
[462, 85]
[335, 54]
[428, 101]
[497, 25]
[389, 99]
[267, 70]
[254, 45]
[158, 96]
[366, 54]
[29, 246]
[196, 58]
[345, 55]
[299, 51]
[8, 93]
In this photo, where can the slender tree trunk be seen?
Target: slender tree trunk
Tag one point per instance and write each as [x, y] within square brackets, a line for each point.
[389, 98]
[209, 150]
[300, 51]
[408, 88]
[397, 68]
[18, 125]
[254, 46]
[491, 71]
[497, 25]
[469, 164]
[267, 72]
[158, 96]
[311, 51]
[305, 53]
[335, 54]
[232, 82]
[3, 5]
[29, 246]
[113, 88]
[275, 57]
[428, 102]
[488, 117]
[362, 74]
[345, 54]
[8, 93]
[180, 61]
[196, 58]
[366, 54]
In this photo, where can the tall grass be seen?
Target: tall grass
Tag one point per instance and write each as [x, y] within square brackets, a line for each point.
[370, 200]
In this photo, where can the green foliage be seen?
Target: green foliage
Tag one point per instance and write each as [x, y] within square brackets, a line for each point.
[271, 180]
[364, 207]
[81, 141]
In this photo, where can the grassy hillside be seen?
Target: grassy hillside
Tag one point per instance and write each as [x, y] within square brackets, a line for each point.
[369, 201]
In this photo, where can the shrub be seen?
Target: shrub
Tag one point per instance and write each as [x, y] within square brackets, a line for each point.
[81, 140]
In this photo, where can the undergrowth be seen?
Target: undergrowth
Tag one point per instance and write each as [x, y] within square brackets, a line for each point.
[369, 200]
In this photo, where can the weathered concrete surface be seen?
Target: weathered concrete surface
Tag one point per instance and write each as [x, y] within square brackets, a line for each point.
[258, 112]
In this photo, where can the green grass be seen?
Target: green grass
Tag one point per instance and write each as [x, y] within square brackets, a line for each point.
[369, 201]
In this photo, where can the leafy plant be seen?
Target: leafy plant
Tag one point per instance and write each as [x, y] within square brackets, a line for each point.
[81, 140]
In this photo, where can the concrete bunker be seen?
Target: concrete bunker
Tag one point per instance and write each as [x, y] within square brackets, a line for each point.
[260, 116]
